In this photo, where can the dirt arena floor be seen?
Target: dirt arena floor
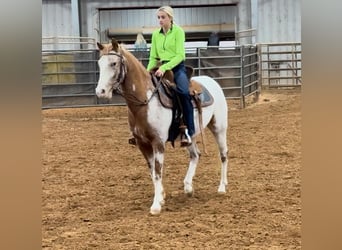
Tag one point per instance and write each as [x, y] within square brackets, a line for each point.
[97, 190]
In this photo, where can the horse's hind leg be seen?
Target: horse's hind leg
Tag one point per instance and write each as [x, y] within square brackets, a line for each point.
[224, 163]
[220, 134]
[194, 157]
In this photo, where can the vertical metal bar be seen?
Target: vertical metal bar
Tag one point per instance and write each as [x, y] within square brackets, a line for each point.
[75, 21]
[242, 82]
[268, 65]
[237, 42]
[292, 64]
[199, 60]
[260, 80]
[95, 72]
[257, 70]
[296, 65]
[57, 68]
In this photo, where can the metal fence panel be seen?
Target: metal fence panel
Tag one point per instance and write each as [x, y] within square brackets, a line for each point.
[69, 78]
[280, 64]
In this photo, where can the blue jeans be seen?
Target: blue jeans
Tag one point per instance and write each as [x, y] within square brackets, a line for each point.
[182, 89]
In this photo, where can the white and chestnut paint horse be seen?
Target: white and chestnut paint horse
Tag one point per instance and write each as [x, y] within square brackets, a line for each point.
[149, 120]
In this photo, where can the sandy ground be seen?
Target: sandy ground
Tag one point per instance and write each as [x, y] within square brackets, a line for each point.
[97, 189]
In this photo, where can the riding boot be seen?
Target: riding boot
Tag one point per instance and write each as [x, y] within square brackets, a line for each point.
[188, 117]
[185, 137]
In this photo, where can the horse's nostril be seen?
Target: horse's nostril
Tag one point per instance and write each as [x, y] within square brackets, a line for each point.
[102, 91]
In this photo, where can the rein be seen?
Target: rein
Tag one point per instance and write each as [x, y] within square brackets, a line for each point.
[121, 78]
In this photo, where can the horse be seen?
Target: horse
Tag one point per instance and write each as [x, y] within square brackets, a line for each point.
[149, 121]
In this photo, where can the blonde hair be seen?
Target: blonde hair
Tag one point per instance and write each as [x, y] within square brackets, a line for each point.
[168, 10]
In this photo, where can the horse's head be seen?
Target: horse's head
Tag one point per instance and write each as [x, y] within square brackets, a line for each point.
[112, 69]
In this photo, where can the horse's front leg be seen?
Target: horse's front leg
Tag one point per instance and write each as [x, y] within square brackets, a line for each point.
[157, 177]
[154, 156]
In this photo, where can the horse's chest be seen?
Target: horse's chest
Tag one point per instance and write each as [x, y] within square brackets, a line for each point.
[151, 121]
[139, 123]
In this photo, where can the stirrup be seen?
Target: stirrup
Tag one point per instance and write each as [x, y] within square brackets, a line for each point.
[185, 139]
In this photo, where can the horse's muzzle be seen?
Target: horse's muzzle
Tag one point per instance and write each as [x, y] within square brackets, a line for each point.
[101, 93]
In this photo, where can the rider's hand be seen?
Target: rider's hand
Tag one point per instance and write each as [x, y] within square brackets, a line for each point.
[159, 73]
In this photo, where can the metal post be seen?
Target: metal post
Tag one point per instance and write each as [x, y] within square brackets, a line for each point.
[268, 65]
[199, 60]
[75, 21]
[95, 71]
[242, 77]
[259, 70]
[295, 64]
[244, 20]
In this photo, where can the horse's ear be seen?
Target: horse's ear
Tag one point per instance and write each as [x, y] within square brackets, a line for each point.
[99, 45]
[115, 45]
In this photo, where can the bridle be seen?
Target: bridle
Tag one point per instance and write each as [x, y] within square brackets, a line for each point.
[121, 77]
[122, 74]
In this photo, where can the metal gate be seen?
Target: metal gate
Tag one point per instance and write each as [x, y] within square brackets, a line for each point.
[280, 64]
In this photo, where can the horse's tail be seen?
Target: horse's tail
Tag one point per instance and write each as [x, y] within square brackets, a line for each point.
[200, 118]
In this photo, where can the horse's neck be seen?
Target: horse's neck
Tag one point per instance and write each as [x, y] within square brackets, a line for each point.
[137, 83]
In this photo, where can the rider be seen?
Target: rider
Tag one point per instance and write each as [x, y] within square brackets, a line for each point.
[168, 47]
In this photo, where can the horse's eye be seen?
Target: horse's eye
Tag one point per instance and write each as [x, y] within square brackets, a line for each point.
[113, 64]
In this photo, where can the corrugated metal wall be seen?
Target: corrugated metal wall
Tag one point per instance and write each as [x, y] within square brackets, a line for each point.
[274, 20]
[139, 18]
[90, 11]
[56, 18]
[192, 19]
[278, 21]
[151, 3]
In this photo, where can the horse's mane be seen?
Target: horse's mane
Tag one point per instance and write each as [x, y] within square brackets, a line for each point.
[133, 60]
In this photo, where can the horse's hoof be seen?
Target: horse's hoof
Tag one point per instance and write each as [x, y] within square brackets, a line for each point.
[222, 189]
[155, 210]
[189, 191]
[190, 194]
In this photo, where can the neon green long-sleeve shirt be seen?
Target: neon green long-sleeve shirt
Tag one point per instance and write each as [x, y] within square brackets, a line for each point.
[167, 47]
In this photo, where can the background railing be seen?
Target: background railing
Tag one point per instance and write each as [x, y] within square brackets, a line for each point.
[69, 77]
[280, 64]
[68, 43]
